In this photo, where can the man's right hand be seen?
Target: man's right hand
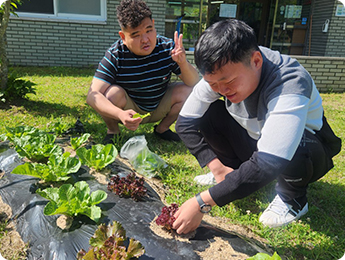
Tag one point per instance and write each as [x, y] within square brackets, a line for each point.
[126, 117]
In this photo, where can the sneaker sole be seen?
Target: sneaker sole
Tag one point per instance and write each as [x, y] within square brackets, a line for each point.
[301, 213]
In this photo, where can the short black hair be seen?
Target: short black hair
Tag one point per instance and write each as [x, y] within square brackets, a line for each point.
[130, 13]
[226, 41]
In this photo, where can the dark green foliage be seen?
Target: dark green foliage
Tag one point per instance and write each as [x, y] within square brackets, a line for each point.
[17, 88]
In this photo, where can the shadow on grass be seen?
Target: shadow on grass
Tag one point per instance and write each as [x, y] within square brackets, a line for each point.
[52, 71]
[42, 108]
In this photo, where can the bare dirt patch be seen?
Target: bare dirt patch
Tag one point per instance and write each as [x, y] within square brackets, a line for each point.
[12, 246]
[170, 234]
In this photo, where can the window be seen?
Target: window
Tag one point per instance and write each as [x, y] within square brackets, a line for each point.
[187, 17]
[94, 10]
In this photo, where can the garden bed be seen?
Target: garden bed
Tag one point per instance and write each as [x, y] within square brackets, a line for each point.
[214, 239]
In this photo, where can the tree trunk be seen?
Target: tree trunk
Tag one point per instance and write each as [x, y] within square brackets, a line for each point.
[3, 57]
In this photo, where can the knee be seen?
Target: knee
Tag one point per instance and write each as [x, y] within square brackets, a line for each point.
[116, 95]
[181, 93]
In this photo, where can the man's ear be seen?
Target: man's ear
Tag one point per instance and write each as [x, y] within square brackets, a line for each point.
[257, 59]
[122, 35]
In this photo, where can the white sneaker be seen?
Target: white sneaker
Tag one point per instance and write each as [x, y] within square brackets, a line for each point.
[205, 179]
[280, 213]
[1, 258]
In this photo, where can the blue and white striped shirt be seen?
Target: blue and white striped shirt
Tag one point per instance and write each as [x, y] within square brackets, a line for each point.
[145, 78]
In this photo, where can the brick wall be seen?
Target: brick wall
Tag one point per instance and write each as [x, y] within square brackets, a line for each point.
[336, 34]
[38, 42]
[328, 72]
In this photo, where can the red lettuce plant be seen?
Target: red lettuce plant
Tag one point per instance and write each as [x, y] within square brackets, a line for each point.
[128, 187]
[108, 243]
[166, 218]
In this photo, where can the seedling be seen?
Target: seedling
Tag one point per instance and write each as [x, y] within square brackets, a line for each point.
[57, 168]
[141, 116]
[98, 157]
[58, 127]
[34, 144]
[129, 186]
[72, 200]
[76, 142]
[108, 244]
[166, 218]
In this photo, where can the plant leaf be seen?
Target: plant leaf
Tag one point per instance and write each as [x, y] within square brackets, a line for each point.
[72, 200]
[98, 156]
[141, 116]
[98, 196]
[135, 249]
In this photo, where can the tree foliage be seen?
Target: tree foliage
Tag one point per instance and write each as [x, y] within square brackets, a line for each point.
[6, 8]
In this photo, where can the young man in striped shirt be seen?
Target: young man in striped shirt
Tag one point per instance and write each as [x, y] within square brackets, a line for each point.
[134, 75]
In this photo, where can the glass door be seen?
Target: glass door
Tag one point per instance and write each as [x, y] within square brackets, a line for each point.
[255, 14]
[289, 28]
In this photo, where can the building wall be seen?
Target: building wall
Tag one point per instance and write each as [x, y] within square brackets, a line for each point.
[331, 43]
[33, 42]
[328, 73]
[336, 37]
[322, 10]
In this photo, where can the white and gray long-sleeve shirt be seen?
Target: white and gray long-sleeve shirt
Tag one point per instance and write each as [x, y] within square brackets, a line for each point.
[285, 103]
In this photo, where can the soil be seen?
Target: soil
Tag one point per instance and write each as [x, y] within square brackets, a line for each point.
[221, 249]
[64, 222]
[170, 234]
[14, 248]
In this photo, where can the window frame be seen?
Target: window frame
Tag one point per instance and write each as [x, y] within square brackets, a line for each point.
[68, 17]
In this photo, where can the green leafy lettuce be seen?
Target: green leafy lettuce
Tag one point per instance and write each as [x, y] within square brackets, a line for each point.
[141, 116]
[34, 144]
[98, 156]
[73, 200]
[57, 168]
[76, 142]
[108, 244]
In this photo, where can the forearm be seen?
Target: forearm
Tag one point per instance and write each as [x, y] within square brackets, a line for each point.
[252, 175]
[189, 75]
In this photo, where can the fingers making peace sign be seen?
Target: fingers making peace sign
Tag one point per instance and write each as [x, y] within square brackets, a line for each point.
[178, 54]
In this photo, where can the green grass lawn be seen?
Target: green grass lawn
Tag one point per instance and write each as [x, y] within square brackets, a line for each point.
[320, 234]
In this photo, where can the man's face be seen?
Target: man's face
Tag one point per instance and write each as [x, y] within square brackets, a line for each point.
[236, 81]
[142, 39]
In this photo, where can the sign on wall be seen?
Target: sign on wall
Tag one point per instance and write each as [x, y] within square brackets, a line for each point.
[340, 10]
[228, 10]
[293, 11]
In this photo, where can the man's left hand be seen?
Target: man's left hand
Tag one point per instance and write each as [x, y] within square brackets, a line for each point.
[178, 54]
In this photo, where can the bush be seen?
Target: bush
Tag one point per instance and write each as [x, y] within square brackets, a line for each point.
[17, 89]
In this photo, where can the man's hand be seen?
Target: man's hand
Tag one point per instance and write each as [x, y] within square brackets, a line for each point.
[178, 54]
[126, 117]
[188, 217]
